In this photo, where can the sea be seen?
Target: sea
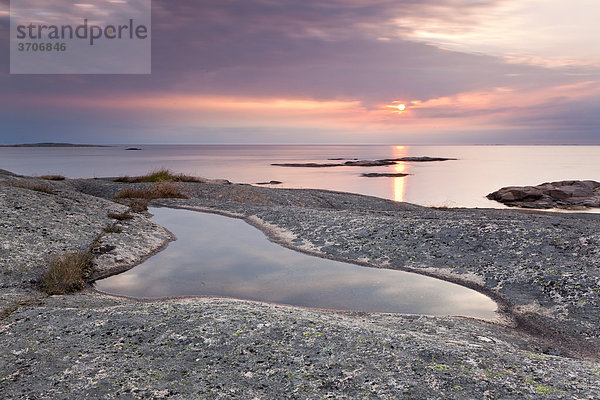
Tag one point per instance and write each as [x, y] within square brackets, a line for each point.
[464, 182]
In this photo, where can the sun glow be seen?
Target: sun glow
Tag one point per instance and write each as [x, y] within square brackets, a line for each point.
[396, 107]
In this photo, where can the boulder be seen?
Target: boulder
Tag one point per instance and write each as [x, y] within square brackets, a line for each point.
[566, 194]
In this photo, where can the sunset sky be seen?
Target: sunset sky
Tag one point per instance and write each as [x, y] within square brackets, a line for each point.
[331, 71]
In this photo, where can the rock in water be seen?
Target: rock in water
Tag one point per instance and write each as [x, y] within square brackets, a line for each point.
[269, 183]
[389, 175]
[562, 194]
[420, 159]
[370, 163]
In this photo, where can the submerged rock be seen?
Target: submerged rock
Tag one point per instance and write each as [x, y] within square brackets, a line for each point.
[562, 194]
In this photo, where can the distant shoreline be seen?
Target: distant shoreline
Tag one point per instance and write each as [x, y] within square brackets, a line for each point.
[52, 145]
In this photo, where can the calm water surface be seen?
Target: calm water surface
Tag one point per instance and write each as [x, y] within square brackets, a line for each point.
[478, 171]
[221, 256]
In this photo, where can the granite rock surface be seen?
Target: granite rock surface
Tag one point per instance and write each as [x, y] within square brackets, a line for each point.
[541, 268]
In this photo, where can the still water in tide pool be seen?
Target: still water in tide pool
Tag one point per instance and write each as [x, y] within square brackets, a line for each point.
[220, 256]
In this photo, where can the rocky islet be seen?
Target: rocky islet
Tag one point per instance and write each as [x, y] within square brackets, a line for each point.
[363, 163]
[562, 194]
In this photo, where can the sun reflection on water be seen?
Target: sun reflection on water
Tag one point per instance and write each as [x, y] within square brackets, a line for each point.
[400, 183]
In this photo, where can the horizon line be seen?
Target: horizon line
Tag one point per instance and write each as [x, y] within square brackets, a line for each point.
[296, 144]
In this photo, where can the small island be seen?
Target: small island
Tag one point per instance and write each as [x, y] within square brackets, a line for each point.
[384, 175]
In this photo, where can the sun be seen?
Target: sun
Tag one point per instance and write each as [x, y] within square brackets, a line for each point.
[395, 107]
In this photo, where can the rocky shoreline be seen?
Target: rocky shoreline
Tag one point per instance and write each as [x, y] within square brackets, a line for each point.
[542, 269]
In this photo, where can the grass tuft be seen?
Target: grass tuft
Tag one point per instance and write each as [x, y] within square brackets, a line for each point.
[162, 190]
[67, 273]
[53, 177]
[138, 205]
[120, 216]
[38, 187]
[113, 229]
[161, 175]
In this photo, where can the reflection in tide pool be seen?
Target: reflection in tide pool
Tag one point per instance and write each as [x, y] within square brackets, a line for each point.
[221, 256]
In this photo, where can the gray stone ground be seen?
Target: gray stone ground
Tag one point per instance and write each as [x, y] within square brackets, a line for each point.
[543, 269]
